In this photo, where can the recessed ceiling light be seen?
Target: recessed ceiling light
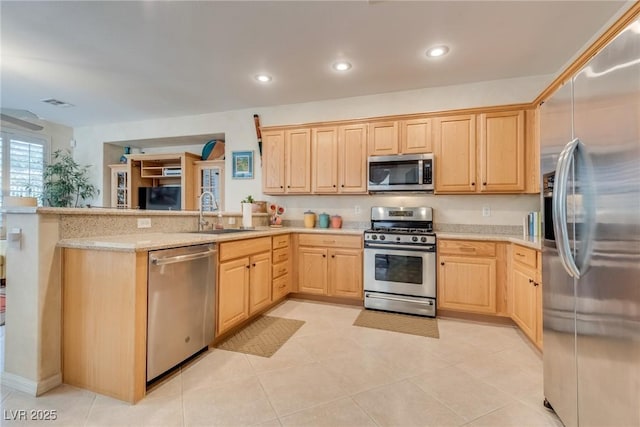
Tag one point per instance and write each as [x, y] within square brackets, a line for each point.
[434, 52]
[263, 78]
[341, 66]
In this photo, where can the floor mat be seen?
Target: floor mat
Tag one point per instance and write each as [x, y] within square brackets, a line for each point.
[262, 337]
[404, 323]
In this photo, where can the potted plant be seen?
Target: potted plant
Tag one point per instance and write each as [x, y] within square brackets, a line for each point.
[66, 183]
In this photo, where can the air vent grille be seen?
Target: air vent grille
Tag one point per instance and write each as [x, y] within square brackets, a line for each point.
[56, 102]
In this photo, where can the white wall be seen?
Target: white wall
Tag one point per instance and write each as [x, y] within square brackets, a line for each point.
[240, 133]
[59, 136]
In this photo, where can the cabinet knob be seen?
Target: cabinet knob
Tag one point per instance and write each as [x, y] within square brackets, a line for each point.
[248, 266]
[442, 263]
[282, 186]
[342, 186]
[288, 186]
[535, 283]
[333, 256]
[473, 183]
[254, 264]
[484, 183]
[530, 280]
[334, 186]
[324, 256]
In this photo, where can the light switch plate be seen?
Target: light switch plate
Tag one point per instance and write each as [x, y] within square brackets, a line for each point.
[486, 211]
[144, 222]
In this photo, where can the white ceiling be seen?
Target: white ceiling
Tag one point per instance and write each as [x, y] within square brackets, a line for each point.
[125, 61]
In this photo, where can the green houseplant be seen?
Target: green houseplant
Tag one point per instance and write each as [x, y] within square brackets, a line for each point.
[66, 183]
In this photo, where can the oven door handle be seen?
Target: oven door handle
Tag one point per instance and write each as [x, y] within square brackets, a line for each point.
[390, 298]
[428, 248]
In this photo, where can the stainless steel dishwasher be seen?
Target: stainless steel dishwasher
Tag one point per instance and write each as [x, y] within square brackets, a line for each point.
[180, 305]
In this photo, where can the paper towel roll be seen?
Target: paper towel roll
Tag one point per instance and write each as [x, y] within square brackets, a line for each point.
[247, 215]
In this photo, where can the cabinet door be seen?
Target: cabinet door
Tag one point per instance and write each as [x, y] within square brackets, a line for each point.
[312, 270]
[325, 159]
[455, 139]
[524, 300]
[383, 138]
[345, 273]
[298, 161]
[209, 177]
[259, 282]
[502, 151]
[467, 284]
[415, 136]
[273, 162]
[233, 293]
[119, 186]
[352, 159]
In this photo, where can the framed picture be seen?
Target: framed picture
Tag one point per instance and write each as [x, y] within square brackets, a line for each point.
[242, 164]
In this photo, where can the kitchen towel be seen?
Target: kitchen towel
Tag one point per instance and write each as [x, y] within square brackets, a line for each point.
[247, 215]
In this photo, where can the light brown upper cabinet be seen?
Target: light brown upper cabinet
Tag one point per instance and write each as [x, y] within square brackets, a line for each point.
[502, 147]
[492, 162]
[415, 136]
[455, 140]
[400, 137]
[286, 161]
[339, 159]
[383, 138]
[273, 162]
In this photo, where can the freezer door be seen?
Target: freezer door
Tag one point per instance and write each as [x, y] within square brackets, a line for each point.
[607, 121]
[560, 384]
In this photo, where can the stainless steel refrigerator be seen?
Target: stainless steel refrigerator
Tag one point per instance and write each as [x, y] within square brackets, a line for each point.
[590, 162]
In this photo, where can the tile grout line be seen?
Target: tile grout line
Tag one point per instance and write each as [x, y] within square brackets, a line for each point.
[363, 410]
[93, 403]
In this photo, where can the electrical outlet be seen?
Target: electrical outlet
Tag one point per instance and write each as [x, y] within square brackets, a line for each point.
[232, 220]
[357, 210]
[144, 222]
[486, 211]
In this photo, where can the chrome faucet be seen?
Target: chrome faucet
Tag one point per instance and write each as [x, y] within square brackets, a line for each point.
[201, 221]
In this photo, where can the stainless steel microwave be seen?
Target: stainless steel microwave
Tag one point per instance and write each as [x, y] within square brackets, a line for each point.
[404, 172]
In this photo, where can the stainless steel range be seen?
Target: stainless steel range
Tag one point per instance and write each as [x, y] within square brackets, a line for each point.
[400, 261]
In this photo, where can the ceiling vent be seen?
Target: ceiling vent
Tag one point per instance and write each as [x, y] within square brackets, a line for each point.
[57, 102]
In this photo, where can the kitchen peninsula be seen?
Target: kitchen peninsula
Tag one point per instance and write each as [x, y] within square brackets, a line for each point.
[36, 264]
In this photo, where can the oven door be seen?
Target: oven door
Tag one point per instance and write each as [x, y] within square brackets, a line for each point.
[400, 270]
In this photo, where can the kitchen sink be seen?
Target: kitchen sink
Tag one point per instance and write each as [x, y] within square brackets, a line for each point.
[222, 231]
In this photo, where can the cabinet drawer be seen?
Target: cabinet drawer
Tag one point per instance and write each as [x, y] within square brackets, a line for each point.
[280, 255]
[526, 256]
[243, 248]
[281, 241]
[465, 247]
[280, 269]
[281, 287]
[330, 240]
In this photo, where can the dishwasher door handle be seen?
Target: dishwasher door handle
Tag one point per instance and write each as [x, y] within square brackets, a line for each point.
[181, 258]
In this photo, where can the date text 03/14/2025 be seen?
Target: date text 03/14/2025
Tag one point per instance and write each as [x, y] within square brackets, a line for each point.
[30, 414]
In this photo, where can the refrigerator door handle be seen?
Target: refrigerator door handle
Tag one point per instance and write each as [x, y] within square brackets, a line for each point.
[576, 151]
[559, 205]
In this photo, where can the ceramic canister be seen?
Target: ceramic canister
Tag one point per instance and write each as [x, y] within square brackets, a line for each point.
[336, 221]
[309, 219]
[323, 220]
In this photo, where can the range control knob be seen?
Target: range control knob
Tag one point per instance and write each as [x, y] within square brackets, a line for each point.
[423, 239]
[414, 238]
[374, 237]
[398, 238]
[382, 237]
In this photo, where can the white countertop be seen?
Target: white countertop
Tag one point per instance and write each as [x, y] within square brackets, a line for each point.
[528, 241]
[153, 241]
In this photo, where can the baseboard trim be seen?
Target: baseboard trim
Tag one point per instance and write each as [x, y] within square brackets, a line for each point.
[28, 386]
[49, 383]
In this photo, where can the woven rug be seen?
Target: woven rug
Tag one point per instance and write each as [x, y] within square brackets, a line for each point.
[404, 323]
[262, 337]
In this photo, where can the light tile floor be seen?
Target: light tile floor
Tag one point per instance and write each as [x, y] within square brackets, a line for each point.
[331, 373]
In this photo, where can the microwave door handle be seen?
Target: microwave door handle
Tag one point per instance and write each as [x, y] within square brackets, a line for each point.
[420, 171]
[559, 204]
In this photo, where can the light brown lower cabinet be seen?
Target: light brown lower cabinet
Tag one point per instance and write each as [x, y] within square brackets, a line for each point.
[244, 283]
[467, 278]
[330, 265]
[527, 292]
[281, 285]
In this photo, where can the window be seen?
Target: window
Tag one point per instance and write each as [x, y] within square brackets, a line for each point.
[22, 161]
